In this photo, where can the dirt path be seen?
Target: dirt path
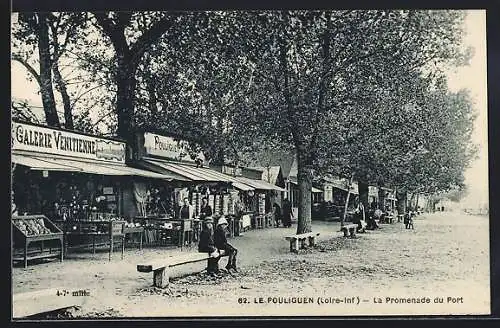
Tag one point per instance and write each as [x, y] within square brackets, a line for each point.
[446, 256]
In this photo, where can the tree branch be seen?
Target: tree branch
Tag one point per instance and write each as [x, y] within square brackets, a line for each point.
[110, 28]
[147, 38]
[85, 92]
[30, 69]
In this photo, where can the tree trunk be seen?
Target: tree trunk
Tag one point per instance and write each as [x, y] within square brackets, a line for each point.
[125, 94]
[152, 97]
[304, 180]
[363, 194]
[402, 196]
[381, 198]
[411, 202]
[48, 100]
[61, 87]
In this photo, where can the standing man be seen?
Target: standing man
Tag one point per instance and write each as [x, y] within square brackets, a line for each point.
[223, 246]
[186, 211]
[287, 213]
[205, 210]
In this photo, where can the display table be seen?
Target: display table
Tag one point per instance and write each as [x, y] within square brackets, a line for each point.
[158, 231]
[30, 229]
[134, 230]
[107, 230]
[260, 221]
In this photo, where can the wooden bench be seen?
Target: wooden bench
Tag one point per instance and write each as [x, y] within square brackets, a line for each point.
[295, 239]
[43, 301]
[160, 267]
[349, 230]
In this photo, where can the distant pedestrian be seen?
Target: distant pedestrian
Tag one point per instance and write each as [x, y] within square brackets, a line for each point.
[277, 214]
[372, 223]
[359, 215]
[287, 213]
[408, 220]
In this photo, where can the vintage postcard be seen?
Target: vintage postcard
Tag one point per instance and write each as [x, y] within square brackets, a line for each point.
[269, 163]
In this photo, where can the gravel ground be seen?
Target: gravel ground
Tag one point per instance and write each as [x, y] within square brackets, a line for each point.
[446, 257]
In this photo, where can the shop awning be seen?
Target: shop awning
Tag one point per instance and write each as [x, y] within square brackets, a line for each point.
[93, 167]
[132, 171]
[295, 182]
[316, 190]
[198, 173]
[90, 167]
[40, 164]
[259, 184]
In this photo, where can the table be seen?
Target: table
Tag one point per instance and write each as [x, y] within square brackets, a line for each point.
[134, 230]
[259, 221]
[115, 229]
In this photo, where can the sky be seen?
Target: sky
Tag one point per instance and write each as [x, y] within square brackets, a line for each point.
[472, 77]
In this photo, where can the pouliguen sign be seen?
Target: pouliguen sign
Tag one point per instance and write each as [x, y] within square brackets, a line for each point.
[167, 147]
[51, 141]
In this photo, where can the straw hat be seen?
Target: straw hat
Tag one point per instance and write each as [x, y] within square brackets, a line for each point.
[222, 220]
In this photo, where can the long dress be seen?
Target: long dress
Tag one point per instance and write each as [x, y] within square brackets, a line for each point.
[287, 214]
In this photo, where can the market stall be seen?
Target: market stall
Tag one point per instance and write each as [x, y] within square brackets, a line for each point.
[36, 237]
[193, 181]
[76, 180]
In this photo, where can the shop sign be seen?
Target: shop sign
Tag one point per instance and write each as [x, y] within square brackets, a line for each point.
[234, 171]
[52, 141]
[167, 147]
[373, 191]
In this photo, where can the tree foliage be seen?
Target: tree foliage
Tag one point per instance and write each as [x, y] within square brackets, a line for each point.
[356, 93]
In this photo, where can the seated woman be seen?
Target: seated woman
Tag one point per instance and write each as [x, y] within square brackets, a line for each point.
[207, 245]
[359, 216]
[223, 246]
[372, 223]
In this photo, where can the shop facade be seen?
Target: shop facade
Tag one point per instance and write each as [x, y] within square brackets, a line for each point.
[335, 191]
[75, 180]
[226, 194]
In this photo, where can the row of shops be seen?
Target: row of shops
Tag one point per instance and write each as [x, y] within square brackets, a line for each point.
[82, 183]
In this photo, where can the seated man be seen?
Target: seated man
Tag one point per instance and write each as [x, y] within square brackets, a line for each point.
[207, 245]
[223, 246]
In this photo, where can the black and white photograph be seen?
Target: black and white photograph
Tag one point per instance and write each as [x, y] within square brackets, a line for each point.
[249, 163]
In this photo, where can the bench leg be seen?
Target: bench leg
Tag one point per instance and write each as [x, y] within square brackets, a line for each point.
[292, 242]
[160, 278]
[346, 232]
[311, 241]
[352, 232]
[296, 245]
[62, 248]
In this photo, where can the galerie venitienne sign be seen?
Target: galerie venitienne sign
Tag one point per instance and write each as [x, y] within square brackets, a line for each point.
[52, 141]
